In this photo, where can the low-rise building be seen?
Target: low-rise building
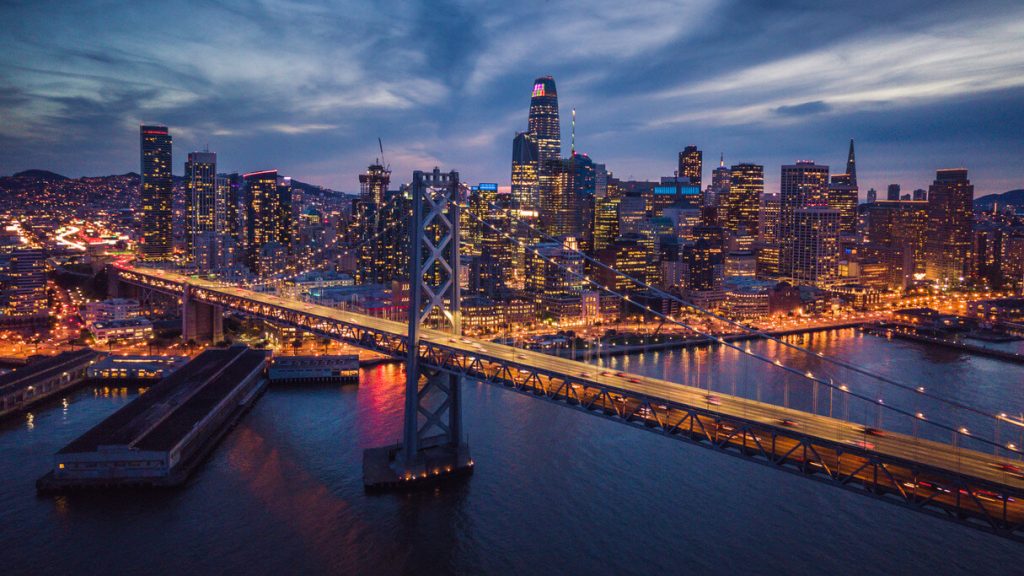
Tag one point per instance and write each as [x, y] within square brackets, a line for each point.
[997, 309]
[126, 330]
[112, 309]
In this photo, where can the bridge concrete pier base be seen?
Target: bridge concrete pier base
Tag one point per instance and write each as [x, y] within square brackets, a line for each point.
[201, 321]
[388, 468]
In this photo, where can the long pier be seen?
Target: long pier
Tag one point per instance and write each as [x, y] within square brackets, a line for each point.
[43, 379]
[160, 437]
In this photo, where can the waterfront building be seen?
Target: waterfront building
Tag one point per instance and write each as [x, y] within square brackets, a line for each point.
[997, 309]
[126, 330]
[157, 190]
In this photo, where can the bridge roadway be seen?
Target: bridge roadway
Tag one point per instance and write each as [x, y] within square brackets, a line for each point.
[956, 483]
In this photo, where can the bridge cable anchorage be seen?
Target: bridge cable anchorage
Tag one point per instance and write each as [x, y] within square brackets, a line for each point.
[954, 429]
[754, 331]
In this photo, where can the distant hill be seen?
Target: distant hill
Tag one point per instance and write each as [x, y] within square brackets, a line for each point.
[47, 176]
[1014, 197]
[40, 175]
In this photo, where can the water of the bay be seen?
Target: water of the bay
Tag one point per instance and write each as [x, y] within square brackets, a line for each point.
[556, 491]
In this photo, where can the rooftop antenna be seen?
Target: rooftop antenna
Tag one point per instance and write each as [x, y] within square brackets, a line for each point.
[573, 144]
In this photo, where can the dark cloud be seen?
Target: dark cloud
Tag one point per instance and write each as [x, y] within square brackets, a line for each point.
[308, 86]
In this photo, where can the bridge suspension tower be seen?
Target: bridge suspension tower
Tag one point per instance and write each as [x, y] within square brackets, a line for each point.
[433, 445]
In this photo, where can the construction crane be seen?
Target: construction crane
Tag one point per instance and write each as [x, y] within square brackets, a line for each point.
[387, 167]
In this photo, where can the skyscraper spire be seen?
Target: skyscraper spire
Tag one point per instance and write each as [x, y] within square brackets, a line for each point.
[851, 166]
[721, 160]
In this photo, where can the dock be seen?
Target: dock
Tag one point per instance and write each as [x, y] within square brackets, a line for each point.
[43, 379]
[161, 437]
[906, 332]
[331, 369]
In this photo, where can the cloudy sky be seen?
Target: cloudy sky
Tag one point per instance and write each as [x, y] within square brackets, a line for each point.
[307, 87]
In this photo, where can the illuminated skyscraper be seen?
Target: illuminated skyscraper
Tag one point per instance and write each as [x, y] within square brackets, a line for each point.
[743, 201]
[200, 198]
[815, 246]
[543, 122]
[524, 172]
[157, 190]
[229, 199]
[606, 221]
[690, 164]
[896, 233]
[381, 228]
[768, 264]
[266, 203]
[721, 179]
[950, 220]
[373, 184]
[496, 250]
[26, 283]
[843, 196]
[582, 183]
[804, 185]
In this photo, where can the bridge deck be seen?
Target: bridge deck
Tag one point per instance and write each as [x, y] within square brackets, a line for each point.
[669, 405]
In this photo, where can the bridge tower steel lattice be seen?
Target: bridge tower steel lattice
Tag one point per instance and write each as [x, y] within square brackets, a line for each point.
[432, 437]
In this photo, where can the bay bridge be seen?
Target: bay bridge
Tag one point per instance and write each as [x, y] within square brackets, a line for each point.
[971, 480]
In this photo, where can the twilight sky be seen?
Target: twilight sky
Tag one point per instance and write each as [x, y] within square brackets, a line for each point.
[308, 86]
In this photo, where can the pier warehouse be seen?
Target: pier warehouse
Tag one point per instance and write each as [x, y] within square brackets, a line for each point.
[158, 438]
